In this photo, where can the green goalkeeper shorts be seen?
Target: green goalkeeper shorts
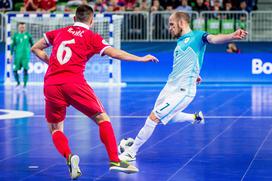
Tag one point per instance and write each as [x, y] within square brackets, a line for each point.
[19, 64]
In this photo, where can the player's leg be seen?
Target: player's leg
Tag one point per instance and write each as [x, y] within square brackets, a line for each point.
[165, 109]
[16, 77]
[146, 131]
[25, 67]
[55, 115]
[106, 134]
[181, 101]
[25, 77]
[62, 145]
[144, 134]
[192, 118]
[16, 68]
[55, 110]
[183, 117]
[108, 138]
[83, 98]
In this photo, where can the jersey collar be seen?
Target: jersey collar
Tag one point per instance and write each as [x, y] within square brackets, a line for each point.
[185, 36]
[83, 25]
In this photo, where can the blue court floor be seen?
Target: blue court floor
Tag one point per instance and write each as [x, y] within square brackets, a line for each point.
[234, 144]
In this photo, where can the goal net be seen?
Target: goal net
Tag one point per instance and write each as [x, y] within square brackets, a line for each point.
[99, 70]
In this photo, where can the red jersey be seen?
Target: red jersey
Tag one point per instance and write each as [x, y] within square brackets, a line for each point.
[73, 46]
[47, 4]
[30, 7]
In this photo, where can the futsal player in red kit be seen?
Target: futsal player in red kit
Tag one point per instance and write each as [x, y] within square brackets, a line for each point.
[64, 85]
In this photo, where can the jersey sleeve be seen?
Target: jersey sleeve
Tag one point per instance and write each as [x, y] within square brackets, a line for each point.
[204, 37]
[30, 39]
[99, 44]
[13, 43]
[50, 36]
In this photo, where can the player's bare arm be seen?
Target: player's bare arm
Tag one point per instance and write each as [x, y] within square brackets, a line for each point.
[38, 50]
[221, 38]
[123, 55]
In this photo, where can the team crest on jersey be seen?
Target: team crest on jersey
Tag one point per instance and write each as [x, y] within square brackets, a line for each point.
[186, 40]
[25, 37]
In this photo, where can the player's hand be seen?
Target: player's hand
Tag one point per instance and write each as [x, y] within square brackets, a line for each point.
[239, 34]
[149, 58]
[198, 80]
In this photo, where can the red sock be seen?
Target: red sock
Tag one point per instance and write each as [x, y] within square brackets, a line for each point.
[61, 143]
[107, 137]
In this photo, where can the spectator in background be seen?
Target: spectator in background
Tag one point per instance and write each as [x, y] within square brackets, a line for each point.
[130, 4]
[169, 8]
[120, 3]
[243, 6]
[168, 3]
[242, 16]
[156, 6]
[5, 5]
[112, 6]
[143, 6]
[234, 3]
[212, 2]
[48, 5]
[100, 6]
[228, 6]
[254, 4]
[30, 5]
[126, 4]
[200, 6]
[216, 6]
[184, 6]
[207, 3]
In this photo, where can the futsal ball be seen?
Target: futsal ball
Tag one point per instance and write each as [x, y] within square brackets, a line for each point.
[125, 144]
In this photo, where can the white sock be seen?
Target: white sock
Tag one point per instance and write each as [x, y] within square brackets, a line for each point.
[182, 117]
[143, 135]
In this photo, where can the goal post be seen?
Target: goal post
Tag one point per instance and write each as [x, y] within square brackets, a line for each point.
[99, 70]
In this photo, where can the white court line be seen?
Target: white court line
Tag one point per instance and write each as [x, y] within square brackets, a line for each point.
[36, 173]
[266, 137]
[136, 117]
[15, 114]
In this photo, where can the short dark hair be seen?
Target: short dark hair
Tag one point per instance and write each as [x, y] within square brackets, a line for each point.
[83, 13]
[21, 23]
[181, 15]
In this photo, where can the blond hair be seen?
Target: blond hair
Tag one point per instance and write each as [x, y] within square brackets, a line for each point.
[182, 16]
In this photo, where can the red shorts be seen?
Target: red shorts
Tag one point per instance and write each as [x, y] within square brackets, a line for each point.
[79, 95]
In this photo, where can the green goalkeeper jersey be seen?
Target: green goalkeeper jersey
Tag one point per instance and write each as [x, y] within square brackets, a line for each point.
[21, 44]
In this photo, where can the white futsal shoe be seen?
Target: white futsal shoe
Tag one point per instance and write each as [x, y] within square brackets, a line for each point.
[73, 163]
[127, 156]
[199, 118]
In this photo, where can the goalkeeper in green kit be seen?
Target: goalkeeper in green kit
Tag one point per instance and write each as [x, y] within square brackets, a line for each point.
[20, 49]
